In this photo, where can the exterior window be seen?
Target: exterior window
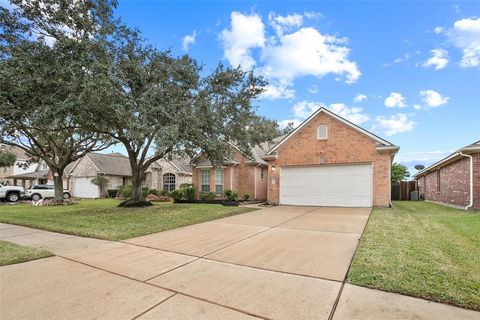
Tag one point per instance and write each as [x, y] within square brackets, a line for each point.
[322, 132]
[438, 180]
[262, 173]
[219, 181]
[168, 182]
[205, 180]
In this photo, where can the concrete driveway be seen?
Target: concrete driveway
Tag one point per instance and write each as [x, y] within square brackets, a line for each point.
[277, 263]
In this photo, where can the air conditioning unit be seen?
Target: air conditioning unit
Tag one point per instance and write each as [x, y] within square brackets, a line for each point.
[414, 196]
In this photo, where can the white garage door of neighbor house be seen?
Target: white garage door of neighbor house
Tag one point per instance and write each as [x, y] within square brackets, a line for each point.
[340, 185]
[84, 188]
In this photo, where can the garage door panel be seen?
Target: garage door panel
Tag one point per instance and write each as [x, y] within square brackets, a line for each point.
[84, 188]
[346, 185]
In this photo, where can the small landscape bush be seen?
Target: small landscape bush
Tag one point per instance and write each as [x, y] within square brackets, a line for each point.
[246, 196]
[231, 195]
[185, 193]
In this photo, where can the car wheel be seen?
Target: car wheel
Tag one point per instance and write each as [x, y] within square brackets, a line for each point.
[66, 195]
[13, 197]
[36, 197]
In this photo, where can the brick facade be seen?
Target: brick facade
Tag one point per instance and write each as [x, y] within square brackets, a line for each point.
[243, 177]
[454, 181]
[344, 145]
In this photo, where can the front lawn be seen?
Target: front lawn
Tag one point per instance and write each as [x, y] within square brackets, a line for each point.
[421, 249]
[102, 219]
[11, 253]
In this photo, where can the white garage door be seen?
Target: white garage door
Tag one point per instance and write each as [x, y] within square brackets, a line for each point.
[84, 188]
[343, 186]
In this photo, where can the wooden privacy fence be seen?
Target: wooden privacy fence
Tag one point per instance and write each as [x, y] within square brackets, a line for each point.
[402, 190]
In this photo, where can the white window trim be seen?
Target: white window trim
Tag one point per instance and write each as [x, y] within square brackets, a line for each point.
[326, 132]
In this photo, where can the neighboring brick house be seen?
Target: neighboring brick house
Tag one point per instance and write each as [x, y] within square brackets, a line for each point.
[161, 175]
[454, 180]
[325, 161]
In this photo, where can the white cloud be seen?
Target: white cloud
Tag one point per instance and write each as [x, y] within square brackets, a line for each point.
[395, 99]
[359, 98]
[280, 91]
[247, 32]
[417, 107]
[313, 89]
[401, 59]
[188, 40]
[398, 123]
[292, 52]
[284, 123]
[465, 35]
[308, 52]
[354, 114]
[438, 59]
[433, 98]
[438, 30]
[304, 109]
[283, 23]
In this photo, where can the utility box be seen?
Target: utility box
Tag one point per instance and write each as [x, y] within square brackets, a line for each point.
[414, 196]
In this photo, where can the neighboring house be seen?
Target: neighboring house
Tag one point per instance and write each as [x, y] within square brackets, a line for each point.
[23, 173]
[454, 180]
[325, 161]
[162, 175]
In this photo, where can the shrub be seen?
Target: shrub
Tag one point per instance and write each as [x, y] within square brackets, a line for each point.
[185, 193]
[231, 195]
[246, 196]
[207, 195]
[125, 191]
[189, 192]
[154, 192]
[145, 191]
[112, 193]
[177, 195]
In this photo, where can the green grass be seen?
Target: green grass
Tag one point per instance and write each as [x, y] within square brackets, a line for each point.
[103, 220]
[423, 250]
[11, 253]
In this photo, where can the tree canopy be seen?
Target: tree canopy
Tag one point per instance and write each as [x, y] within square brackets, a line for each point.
[399, 172]
[73, 79]
[49, 53]
[7, 159]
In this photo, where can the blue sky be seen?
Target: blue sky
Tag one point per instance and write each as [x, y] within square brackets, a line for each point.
[413, 67]
[408, 71]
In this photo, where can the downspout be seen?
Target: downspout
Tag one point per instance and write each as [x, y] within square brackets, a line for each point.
[471, 179]
[231, 176]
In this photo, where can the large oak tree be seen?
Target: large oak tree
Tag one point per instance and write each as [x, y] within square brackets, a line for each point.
[158, 104]
[49, 54]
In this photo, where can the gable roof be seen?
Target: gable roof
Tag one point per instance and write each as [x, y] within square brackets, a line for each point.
[471, 148]
[113, 163]
[381, 143]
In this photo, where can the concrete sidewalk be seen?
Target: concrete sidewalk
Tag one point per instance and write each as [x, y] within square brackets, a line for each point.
[277, 263]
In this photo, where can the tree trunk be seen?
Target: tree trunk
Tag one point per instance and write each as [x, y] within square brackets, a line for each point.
[137, 180]
[58, 185]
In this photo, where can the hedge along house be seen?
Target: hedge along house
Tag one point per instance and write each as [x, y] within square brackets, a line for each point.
[454, 180]
[325, 161]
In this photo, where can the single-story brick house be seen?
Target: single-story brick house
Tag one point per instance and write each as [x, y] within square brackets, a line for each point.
[325, 161]
[454, 180]
[164, 175]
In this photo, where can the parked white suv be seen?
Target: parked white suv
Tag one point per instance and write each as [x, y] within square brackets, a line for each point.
[11, 193]
[44, 191]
